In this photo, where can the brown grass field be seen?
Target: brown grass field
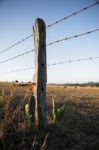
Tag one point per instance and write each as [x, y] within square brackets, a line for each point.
[76, 126]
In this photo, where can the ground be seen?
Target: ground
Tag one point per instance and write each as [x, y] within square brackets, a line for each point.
[76, 126]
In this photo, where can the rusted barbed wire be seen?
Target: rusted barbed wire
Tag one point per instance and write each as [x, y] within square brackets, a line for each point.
[50, 25]
[12, 58]
[72, 37]
[73, 14]
[53, 64]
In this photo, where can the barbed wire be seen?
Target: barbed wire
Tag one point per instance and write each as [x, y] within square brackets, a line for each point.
[50, 25]
[71, 61]
[18, 70]
[64, 39]
[73, 14]
[17, 43]
[53, 64]
[12, 58]
[74, 36]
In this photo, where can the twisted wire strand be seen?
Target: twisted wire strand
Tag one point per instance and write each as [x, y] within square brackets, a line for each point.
[12, 58]
[18, 70]
[73, 14]
[53, 64]
[72, 37]
[17, 43]
[71, 61]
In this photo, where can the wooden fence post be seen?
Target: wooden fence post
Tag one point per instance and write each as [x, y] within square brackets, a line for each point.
[40, 77]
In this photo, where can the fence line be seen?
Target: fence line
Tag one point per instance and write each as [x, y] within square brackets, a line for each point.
[12, 58]
[53, 64]
[74, 36]
[50, 25]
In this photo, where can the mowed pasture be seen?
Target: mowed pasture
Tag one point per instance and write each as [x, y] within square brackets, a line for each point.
[76, 126]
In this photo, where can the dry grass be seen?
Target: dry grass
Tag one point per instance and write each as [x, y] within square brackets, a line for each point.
[76, 128]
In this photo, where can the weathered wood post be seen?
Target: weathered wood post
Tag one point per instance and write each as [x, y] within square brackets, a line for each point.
[40, 77]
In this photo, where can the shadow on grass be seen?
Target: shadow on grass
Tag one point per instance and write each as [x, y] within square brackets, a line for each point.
[76, 128]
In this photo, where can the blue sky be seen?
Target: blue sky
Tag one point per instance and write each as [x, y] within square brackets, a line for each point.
[17, 18]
